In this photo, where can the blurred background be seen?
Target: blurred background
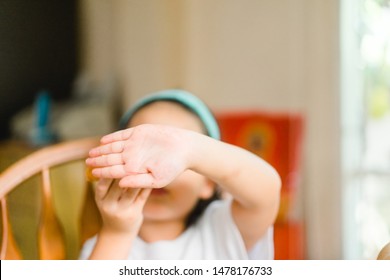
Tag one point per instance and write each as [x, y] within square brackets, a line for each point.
[307, 79]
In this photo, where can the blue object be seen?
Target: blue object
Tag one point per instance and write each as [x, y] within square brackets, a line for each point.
[43, 109]
[185, 98]
[42, 133]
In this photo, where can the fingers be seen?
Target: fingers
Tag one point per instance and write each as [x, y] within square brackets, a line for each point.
[110, 191]
[102, 188]
[114, 193]
[134, 197]
[115, 171]
[135, 180]
[110, 160]
[116, 136]
[129, 194]
[105, 160]
[141, 180]
[142, 197]
[109, 148]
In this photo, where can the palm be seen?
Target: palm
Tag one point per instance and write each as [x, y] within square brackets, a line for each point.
[145, 156]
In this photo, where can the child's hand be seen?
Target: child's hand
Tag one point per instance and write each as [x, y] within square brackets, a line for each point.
[121, 208]
[146, 156]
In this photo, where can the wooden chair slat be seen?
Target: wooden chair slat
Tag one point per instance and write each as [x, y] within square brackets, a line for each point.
[90, 221]
[50, 235]
[9, 249]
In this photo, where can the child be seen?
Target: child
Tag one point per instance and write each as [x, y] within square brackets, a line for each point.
[163, 202]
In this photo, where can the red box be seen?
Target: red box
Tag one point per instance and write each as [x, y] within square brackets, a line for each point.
[275, 137]
[289, 241]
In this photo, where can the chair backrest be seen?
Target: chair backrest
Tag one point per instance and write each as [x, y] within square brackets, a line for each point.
[47, 204]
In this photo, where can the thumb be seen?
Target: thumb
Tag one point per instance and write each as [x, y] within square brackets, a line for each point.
[102, 188]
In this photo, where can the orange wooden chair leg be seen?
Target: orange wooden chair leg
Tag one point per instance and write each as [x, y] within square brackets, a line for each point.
[51, 241]
[9, 249]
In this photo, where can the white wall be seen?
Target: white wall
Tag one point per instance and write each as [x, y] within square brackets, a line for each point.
[275, 55]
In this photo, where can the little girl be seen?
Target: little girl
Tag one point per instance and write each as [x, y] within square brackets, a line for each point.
[159, 185]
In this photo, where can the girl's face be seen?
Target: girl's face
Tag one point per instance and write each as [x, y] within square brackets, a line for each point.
[175, 201]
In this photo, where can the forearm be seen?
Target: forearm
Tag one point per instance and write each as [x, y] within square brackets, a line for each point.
[253, 183]
[250, 180]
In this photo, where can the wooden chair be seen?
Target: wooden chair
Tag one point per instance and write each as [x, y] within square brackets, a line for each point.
[384, 254]
[47, 204]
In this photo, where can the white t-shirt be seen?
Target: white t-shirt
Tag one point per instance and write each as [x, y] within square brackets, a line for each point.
[214, 236]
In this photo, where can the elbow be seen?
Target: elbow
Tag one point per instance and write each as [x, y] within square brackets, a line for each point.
[277, 181]
[275, 195]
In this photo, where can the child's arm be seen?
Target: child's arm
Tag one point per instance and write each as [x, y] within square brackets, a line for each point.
[253, 183]
[121, 210]
[160, 153]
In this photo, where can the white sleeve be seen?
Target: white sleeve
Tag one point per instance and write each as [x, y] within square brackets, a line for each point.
[229, 241]
[87, 248]
[264, 247]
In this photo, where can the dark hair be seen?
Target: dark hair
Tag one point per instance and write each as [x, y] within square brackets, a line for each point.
[202, 204]
[200, 207]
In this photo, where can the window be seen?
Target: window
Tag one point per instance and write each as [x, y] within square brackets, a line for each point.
[365, 99]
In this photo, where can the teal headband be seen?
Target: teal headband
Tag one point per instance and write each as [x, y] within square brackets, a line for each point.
[185, 98]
